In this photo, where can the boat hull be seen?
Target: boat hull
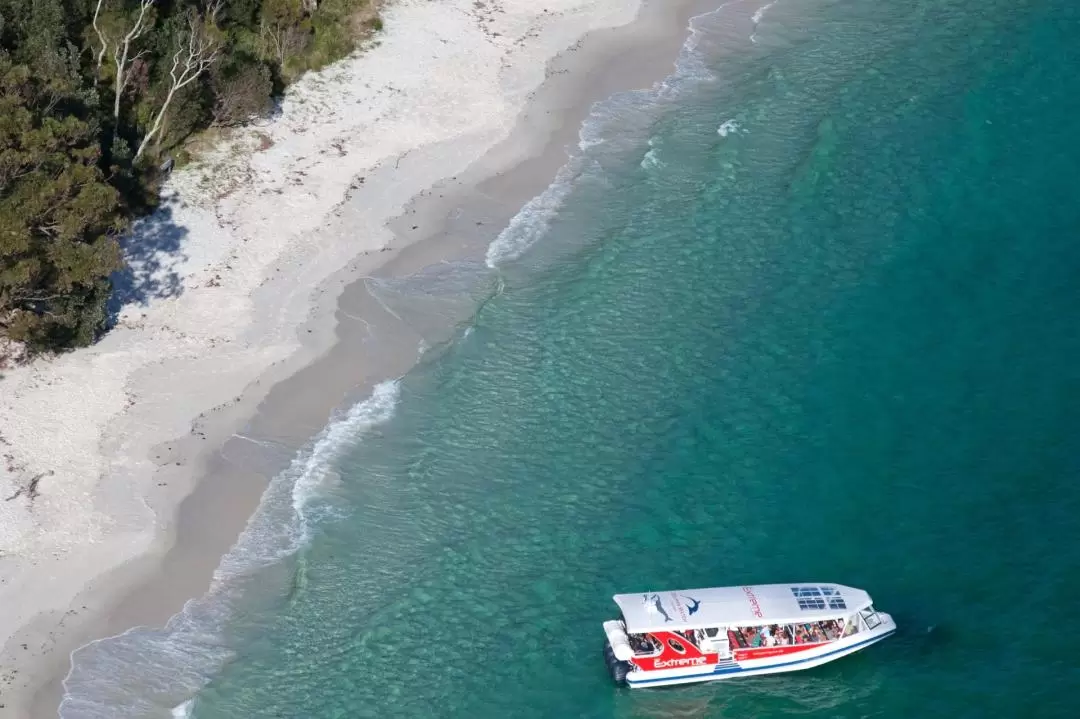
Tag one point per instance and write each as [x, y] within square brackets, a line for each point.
[730, 669]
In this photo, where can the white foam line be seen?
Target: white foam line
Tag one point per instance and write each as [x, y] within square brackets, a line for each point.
[534, 219]
[758, 16]
[183, 711]
[338, 437]
[188, 650]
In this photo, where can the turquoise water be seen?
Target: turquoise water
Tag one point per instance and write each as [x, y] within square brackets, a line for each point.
[807, 313]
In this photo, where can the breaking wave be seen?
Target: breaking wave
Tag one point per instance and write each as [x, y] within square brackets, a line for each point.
[650, 160]
[622, 121]
[729, 127]
[759, 14]
[184, 710]
[172, 664]
[533, 220]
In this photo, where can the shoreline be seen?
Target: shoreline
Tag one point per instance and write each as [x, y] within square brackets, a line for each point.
[210, 479]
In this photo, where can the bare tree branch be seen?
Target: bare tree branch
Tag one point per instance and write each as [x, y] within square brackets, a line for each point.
[101, 36]
[120, 55]
[196, 50]
[212, 9]
[283, 39]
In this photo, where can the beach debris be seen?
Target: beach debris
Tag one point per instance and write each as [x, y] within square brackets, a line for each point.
[30, 489]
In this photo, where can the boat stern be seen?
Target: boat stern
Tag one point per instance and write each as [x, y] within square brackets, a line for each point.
[617, 651]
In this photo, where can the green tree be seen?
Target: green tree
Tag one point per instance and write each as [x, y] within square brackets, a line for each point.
[58, 215]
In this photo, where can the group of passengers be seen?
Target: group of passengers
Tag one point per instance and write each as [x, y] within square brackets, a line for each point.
[780, 635]
[770, 635]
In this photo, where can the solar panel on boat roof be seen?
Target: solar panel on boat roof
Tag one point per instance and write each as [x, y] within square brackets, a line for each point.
[810, 598]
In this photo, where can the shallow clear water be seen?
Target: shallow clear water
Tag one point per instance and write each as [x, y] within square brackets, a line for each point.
[806, 313]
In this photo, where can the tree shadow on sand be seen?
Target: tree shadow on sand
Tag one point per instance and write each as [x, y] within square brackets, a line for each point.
[152, 251]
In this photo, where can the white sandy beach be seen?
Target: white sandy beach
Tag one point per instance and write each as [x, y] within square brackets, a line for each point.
[250, 250]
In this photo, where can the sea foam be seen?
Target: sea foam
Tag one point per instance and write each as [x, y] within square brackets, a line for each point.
[759, 14]
[183, 711]
[612, 125]
[650, 160]
[729, 127]
[533, 220]
[757, 17]
[152, 672]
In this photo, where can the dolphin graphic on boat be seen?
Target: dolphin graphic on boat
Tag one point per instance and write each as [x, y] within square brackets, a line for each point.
[692, 608]
[659, 607]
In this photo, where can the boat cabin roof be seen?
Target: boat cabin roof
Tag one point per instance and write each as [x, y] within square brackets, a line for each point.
[738, 606]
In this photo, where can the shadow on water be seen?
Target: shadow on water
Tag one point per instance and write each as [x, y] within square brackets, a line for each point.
[152, 252]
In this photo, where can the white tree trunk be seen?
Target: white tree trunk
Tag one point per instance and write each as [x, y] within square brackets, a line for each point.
[101, 37]
[196, 50]
[120, 55]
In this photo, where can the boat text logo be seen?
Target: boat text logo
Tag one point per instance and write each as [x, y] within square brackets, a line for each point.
[755, 608]
[680, 662]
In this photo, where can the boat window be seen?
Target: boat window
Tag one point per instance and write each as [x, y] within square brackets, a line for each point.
[772, 635]
[711, 632]
[643, 644]
[870, 617]
[676, 645]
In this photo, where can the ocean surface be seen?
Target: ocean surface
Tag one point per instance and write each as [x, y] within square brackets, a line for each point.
[808, 311]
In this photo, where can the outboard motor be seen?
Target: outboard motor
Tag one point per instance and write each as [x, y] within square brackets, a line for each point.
[617, 668]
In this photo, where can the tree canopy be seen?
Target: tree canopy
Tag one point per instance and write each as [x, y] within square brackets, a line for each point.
[93, 93]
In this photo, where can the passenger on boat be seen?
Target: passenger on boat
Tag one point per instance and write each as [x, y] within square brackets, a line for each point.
[642, 643]
[772, 635]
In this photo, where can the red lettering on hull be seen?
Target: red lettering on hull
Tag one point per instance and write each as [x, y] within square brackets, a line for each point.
[764, 652]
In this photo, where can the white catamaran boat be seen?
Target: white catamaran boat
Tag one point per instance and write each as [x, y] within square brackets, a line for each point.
[699, 635]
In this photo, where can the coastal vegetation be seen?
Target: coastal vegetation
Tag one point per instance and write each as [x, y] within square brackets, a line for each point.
[96, 97]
